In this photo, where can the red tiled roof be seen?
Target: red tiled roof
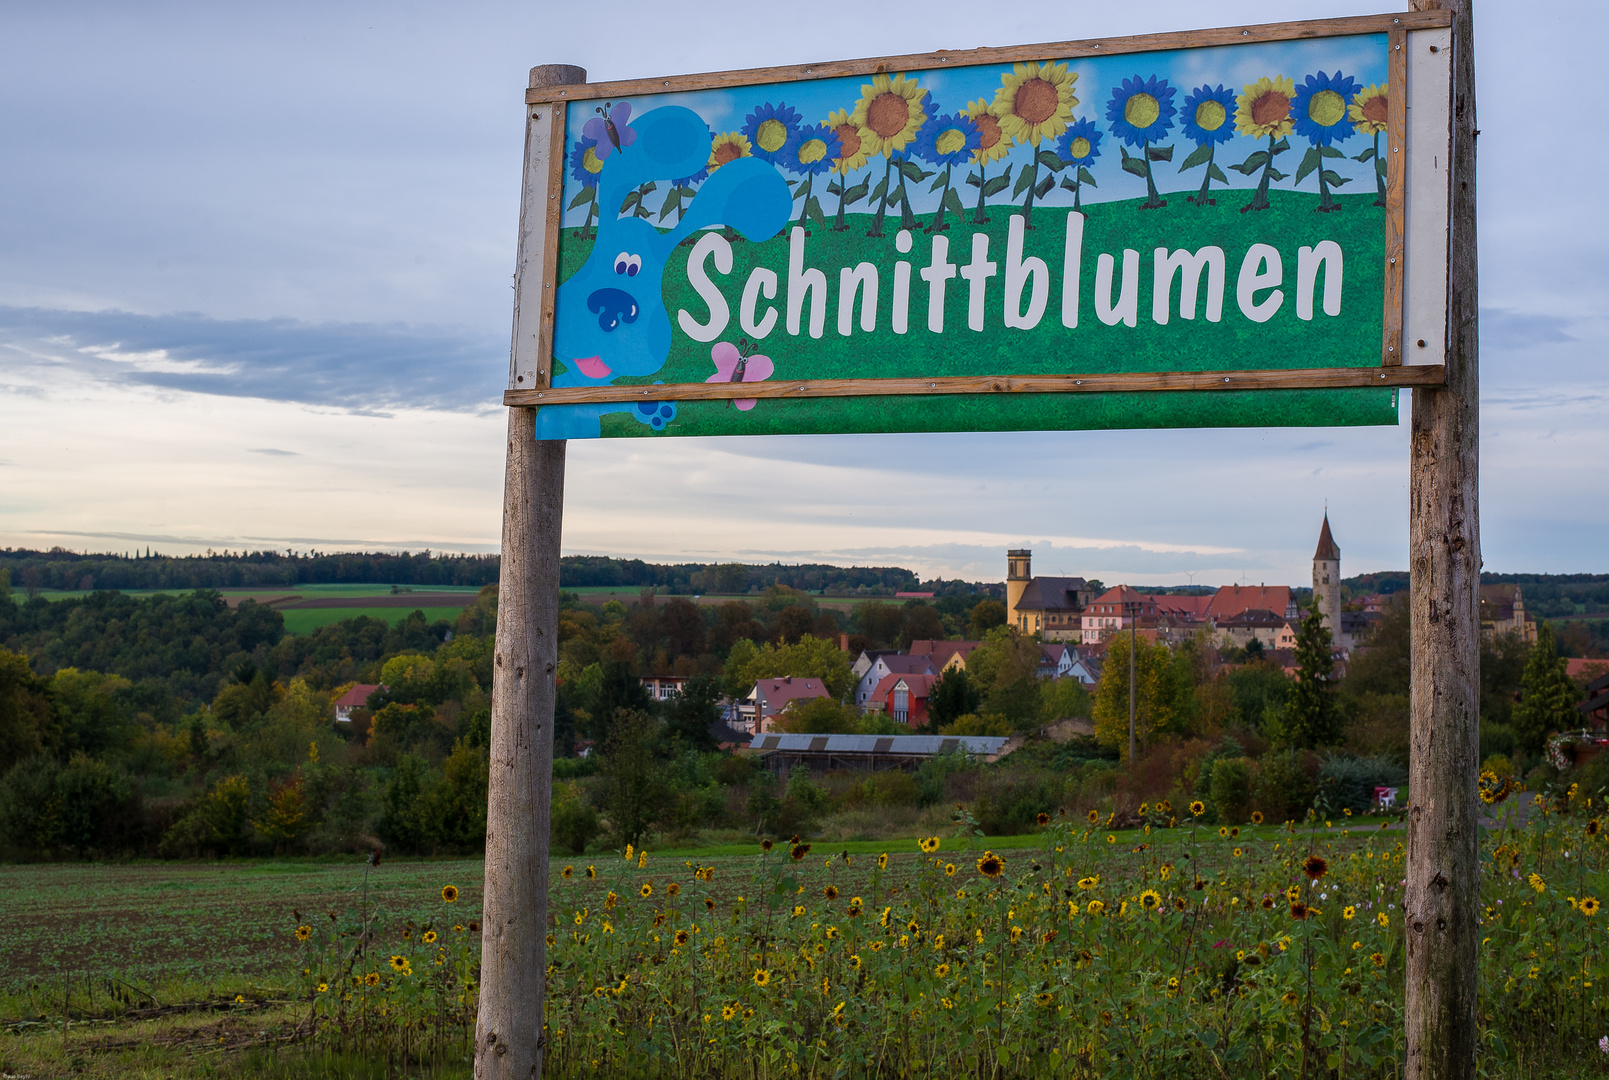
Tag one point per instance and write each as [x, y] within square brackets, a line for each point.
[1327, 548]
[1231, 600]
[941, 651]
[918, 685]
[357, 697]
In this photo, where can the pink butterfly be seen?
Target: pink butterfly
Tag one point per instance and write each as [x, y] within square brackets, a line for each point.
[734, 364]
[608, 130]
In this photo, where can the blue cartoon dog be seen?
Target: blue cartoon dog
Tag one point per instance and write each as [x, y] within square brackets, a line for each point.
[611, 317]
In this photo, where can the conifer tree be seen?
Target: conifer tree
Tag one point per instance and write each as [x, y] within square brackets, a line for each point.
[1311, 718]
[1547, 696]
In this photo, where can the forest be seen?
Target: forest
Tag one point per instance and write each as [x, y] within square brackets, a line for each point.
[175, 726]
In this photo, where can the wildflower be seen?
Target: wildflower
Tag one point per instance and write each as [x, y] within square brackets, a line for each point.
[239, 1000]
[303, 933]
[1095, 907]
[1349, 912]
[642, 860]
[372, 979]
[798, 910]
[1223, 831]
[882, 861]
[728, 1011]
[398, 963]
[913, 926]
[1044, 818]
[1534, 880]
[1094, 817]
[854, 961]
[1378, 959]
[1256, 817]
[449, 893]
[1383, 919]
[630, 850]
[682, 937]
[1315, 866]
[1089, 882]
[429, 938]
[1173, 983]
[1238, 853]
[991, 865]
[765, 845]
[928, 844]
[1150, 900]
[1043, 998]
[798, 851]
[1589, 906]
[949, 869]
[1290, 997]
[942, 971]
[1111, 839]
[592, 872]
[1593, 827]
[1179, 903]
[323, 987]
[830, 892]
[1293, 893]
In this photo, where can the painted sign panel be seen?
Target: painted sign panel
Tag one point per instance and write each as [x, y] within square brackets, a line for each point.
[1186, 210]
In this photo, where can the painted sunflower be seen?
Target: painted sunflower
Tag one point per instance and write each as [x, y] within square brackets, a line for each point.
[584, 163]
[949, 140]
[993, 142]
[889, 114]
[851, 143]
[769, 128]
[1035, 101]
[1141, 110]
[1207, 114]
[812, 149]
[1320, 108]
[1264, 108]
[729, 147]
[1080, 145]
[1368, 110]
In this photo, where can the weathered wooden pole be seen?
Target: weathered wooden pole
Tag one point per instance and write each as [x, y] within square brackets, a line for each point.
[508, 1027]
[1443, 887]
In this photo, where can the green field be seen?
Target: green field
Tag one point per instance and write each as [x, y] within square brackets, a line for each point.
[304, 620]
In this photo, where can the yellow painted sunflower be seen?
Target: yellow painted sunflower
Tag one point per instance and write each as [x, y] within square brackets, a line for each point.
[889, 114]
[1368, 114]
[1035, 101]
[851, 142]
[994, 144]
[1265, 107]
[728, 147]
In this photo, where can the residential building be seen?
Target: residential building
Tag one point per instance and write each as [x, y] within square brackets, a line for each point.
[1048, 606]
[1113, 611]
[664, 687]
[758, 711]
[353, 699]
[944, 655]
[866, 659]
[904, 698]
[1258, 625]
[1061, 661]
[885, 665]
[1231, 600]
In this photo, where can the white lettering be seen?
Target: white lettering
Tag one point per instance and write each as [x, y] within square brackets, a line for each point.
[978, 272]
[849, 283]
[1254, 278]
[761, 281]
[1071, 266]
[938, 271]
[712, 243]
[1189, 268]
[1019, 272]
[1308, 260]
[802, 282]
[899, 318]
[1127, 308]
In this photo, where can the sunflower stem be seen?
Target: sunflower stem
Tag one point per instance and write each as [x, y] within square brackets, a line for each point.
[804, 197]
[938, 218]
[1153, 201]
[1259, 201]
[1379, 177]
[882, 205]
[839, 224]
[983, 178]
[1028, 203]
[1200, 198]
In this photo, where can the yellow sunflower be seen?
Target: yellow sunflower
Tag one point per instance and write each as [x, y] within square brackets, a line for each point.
[889, 114]
[1265, 107]
[995, 143]
[762, 977]
[991, 865]
[303, 933]
[1368, 115]
[729, 147]
[1589, 906]
[851, 142]
[1035, 101]
[1150, 900]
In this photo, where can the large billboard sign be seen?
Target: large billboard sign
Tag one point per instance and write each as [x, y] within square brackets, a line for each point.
[1232, 227]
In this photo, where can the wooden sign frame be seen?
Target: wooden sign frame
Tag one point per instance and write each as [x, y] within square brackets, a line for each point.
[1422, 36]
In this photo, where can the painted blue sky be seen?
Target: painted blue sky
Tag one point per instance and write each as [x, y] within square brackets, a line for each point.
[1363, 57]
[255, 290]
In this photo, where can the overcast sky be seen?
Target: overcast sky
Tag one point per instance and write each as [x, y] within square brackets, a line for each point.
[255, 290]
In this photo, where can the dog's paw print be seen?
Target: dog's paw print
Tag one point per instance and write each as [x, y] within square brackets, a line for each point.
[656, 414]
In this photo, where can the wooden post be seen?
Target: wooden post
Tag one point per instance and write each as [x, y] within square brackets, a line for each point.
[1443, 884]
[508, 1027]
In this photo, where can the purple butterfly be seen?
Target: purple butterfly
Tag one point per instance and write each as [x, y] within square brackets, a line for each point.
[608, 130]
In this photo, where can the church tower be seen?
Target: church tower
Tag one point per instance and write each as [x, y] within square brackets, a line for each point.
[1327, 580]
[1018, 574]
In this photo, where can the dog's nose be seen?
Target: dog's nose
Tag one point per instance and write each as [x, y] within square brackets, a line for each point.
[613, 307]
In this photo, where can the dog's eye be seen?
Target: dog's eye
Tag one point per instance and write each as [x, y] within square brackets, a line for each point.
[628, 264]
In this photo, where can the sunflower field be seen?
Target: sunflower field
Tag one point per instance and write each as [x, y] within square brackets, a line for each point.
[1173, 949]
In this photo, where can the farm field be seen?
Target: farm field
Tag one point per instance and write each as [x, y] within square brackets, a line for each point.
[308, 607]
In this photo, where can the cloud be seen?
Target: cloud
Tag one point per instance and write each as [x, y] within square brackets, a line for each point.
[359, 366]
[1506, 328]
[270, 451]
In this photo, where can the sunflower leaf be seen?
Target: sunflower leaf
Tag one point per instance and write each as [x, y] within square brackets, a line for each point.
[974, 180]
[1276, 175]
[1024, 178]
[1310, 161]
[912, 171]
[1159, 153]
[1335, 179]
[1198, 156]
[582, 197]
[938, 182]
[998, 184]
[1252, 163]
[1051, 161]
[953, 201]
[880, 189]
[1069, 184]
[858, 192]
[1331, 152]
[1367, 155]
[673, 201]
[1044, 186]
[1283, 145]
[812, 209]
[1085, 177]
[1136, 165]
[1217, 173]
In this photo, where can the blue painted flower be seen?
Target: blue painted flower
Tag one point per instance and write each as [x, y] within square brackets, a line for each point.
[1080, 144]
[811, 150]
[769, 128]
[1209, 113]
[948, 140]
[584, 163]
[1319, 111]
[1141, 110]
